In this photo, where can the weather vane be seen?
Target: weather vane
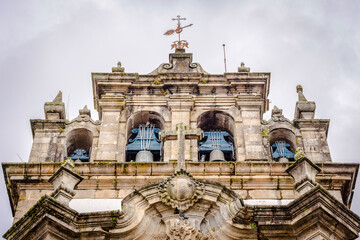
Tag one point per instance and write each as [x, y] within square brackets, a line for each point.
[180, 43]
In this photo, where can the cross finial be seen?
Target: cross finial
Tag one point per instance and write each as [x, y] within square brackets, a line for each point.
[180, 44]
[178, 19]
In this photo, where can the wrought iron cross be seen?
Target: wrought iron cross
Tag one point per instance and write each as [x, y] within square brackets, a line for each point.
[181, 133]
[180, 43]
[178, 19]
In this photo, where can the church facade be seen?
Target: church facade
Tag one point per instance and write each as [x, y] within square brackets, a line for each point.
[189, 156]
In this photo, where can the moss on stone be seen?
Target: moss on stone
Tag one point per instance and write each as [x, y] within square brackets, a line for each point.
[265, 132]
[156, 82]
[114, 215]
[253, 226]
[125, 168]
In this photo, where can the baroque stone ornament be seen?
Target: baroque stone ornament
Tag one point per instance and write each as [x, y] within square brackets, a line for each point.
[277, 116]
[181, 230]
[181, 190]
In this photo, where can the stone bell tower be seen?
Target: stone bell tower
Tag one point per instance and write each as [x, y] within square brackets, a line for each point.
[180, 153]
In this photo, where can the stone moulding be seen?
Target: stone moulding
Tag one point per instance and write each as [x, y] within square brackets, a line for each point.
[43, 211]
[321, 124]
[224, 217]
[181, 190]
[179, 63]
[297, 219]
[18, 175]
[47, 125]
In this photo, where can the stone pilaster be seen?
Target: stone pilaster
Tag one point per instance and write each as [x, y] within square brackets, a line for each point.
[122, 139]
[108, 147]
[249, 139]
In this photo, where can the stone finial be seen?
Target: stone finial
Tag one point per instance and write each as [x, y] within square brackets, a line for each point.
[64, 181]
[242, 68]
[277, 115]
[85, 111]
[118, 68]
[299, 90]
[56, 109]
[58, 98]
[276, 112]
[304, 109]
[303, 171]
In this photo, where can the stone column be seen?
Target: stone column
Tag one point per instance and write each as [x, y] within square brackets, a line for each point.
[252, 147]
[167, 145]
[108, 146]
[194, 148]
[122, 140]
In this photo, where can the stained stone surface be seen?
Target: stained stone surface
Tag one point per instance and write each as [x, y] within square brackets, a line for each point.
[253, 197]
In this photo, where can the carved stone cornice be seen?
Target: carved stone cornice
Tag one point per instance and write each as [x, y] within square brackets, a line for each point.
[181, 103]
[311, 124]
[315, 207]
[144, 217]
[17, 175]
[47, 125]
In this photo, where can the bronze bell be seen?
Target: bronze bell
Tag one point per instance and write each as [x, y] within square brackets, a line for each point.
[283, 160]
[217, 156]
[144, 156]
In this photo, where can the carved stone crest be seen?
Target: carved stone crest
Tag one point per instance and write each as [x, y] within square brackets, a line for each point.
[181, 190]
[182, 230]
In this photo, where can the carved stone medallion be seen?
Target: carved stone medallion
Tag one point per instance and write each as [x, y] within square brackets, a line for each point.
[181, 190]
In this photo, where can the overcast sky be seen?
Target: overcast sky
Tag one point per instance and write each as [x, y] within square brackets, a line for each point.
[47, 46]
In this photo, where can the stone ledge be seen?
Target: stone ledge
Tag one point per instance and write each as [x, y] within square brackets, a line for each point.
[240, 176]
[317, 205]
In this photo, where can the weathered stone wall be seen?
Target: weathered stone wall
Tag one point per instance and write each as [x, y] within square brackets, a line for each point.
[179, 96]
[251, 180]
[45, 147]
[264, 197]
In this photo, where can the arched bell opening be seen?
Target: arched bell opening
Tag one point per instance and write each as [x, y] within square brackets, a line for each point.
[218, 142]
[282, 145]
[78, 144]
[143, 143]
